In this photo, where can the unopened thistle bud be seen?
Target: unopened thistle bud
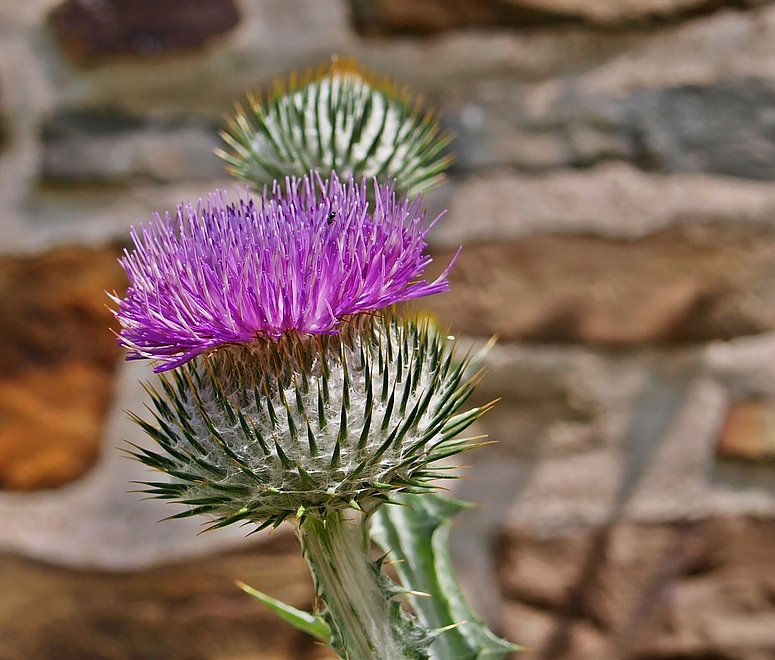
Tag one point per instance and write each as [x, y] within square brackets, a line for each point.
[343, 119]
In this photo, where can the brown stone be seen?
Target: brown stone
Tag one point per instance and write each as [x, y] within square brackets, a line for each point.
[645, 591]
[189, 611]
[608, 12]
[749, 431]
[53, 308]
[50, 424]
[57, 356]
[86, 29]
[427, 16]
[541, 571]
[683, 284]
[4, 137]
[530, 625]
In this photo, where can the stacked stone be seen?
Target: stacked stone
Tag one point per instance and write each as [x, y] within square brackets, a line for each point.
[615, 193]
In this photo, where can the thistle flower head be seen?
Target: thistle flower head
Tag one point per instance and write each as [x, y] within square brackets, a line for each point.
[310, 425]
[300, 261]
[342, 119]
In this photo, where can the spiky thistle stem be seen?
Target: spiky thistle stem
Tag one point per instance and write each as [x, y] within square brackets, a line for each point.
[361, 606]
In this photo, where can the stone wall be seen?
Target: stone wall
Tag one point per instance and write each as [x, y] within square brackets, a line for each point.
[615, 193]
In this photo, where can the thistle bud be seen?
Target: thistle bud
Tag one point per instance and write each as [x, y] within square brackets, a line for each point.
[310, 425]
[343, 119]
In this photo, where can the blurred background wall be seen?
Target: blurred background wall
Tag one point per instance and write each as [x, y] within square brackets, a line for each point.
[615, 192]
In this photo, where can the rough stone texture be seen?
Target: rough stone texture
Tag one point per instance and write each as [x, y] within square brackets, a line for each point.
[380, 17]
[3, 125]
[684, 284]
[95, 215]
[276, 36]
[681, 590]
[54, 308]
[617, 11]
[696, 97]
[727, 127]
[190, 611]
[591, 434]
[617, 65]
[373, 17]
[743, 366]
[51, 424]
[88, 29]
[613, 200]
[109, 148]
[588, 438]
[749, 432]
[273, 37]
[726, 46]
[56, 364]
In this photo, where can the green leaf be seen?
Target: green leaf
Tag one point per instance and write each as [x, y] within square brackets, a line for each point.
[404, 532]
[305, 621]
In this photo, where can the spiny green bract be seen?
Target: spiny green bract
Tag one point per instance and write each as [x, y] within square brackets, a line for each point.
[306, 426]
[341, 119]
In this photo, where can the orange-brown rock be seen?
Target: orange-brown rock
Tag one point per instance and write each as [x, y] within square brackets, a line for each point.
[57, 357]
[749, 432]
[51, 424]
[53, 307]
[683, 284]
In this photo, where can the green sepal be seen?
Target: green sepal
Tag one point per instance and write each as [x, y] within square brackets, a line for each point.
[403, 532]
[305, 621]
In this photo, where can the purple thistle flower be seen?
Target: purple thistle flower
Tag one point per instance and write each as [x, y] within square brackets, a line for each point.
[300, 261]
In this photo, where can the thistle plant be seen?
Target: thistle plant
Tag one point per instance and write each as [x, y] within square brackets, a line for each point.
[289, 387]
[341, 119]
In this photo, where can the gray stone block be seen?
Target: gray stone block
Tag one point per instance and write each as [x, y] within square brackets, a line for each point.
[103, 147]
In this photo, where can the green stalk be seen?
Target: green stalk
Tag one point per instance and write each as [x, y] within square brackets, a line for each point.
[365, 620]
